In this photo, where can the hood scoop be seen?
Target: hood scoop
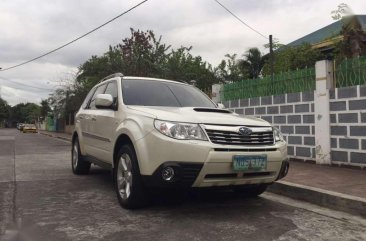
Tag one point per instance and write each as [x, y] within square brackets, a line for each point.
[212, 110]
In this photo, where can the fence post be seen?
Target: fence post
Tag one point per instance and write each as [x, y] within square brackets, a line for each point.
[217, 93]
[324, 82]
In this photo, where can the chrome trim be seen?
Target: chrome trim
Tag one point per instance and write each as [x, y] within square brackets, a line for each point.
[236, 128]
[86, 134]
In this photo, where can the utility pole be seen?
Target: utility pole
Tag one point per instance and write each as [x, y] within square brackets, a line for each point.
[271, 60]
[0, 86]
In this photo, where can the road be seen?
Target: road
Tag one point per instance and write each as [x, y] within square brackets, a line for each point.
[40, 199]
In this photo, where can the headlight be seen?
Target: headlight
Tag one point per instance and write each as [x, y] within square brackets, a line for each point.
[277, 135]
[181, 131]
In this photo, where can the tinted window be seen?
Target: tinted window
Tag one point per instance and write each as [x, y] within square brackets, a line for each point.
[99, 90]
[113, 91]
[159, 93]
[87, 99]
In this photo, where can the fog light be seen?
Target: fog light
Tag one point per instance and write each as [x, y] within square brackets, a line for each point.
[167, 173]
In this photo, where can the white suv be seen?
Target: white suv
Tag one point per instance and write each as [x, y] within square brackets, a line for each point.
[156, 133]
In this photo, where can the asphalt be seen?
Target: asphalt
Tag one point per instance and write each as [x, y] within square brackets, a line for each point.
[339, 188]
[40, 199]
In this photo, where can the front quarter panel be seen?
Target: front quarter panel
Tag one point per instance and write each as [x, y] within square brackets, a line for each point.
[136, 128]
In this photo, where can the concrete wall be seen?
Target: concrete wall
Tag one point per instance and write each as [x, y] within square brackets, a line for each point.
[348, 125]
[294, 115]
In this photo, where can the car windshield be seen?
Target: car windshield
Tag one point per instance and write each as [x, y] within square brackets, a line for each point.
[162, 93]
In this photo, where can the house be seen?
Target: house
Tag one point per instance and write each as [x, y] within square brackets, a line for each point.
[350, 30]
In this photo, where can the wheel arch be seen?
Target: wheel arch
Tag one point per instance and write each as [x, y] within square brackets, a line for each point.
[122, 140]
[74, 136]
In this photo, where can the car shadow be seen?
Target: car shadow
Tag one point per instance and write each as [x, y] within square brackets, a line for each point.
[171, 198]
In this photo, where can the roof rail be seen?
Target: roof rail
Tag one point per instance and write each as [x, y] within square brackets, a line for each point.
[111, 76]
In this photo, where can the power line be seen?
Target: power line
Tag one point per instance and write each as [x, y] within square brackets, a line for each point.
[78, 38]
[240, 19]
[30, 86]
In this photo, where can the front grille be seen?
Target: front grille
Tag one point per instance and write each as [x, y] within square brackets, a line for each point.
[234, 138]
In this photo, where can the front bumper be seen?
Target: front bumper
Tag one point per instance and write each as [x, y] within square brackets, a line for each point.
[29, 130]
[211, 163]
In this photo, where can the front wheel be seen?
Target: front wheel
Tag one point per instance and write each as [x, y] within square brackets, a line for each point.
[128, 184]
[78, 164]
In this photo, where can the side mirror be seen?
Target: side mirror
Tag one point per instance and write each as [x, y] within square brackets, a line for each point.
[104, 101]
[220, 106]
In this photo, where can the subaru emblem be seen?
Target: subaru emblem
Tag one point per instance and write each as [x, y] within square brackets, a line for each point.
[245, 131]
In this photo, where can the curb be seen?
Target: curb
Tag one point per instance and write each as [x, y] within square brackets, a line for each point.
[329, 199]
[55, 136]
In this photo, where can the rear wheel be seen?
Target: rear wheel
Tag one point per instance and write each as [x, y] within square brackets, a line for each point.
[78, 164]
[251, 191]
[128, 184]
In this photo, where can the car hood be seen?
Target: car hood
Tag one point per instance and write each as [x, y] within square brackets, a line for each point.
[200, 115]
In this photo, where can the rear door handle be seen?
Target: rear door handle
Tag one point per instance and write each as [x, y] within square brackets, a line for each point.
[94, 119]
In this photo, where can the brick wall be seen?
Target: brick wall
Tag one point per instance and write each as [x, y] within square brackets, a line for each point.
[348, 125]
[293, 114]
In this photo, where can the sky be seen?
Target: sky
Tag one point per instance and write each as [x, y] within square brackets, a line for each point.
[32, 28]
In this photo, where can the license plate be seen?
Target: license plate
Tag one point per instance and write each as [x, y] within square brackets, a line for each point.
[249, 163]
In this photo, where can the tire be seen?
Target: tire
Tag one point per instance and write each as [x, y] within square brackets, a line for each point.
[127, 179]
[251, 191]
[78, 164]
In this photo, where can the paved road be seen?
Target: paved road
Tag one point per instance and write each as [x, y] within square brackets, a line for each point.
[40, 199]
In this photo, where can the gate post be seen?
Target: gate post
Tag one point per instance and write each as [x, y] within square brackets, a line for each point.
[324, 82]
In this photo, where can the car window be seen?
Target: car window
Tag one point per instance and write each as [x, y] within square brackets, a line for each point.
[99, 90]
[159, 93]
[113, 91]
[87, 99]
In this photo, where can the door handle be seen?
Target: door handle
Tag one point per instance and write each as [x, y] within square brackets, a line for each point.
[93, 119]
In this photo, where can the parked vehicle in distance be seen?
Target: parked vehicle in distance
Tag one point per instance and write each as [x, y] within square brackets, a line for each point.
[20, 126]
[29, 128]
[156, 133]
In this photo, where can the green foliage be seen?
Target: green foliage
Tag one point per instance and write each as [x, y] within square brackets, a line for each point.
[233, 69]
[4, 110]
[255, 62]
[353, 43]
[181, 65]
[292, 58]
[25, 113]
[275, 45]
[141, 54]
[45, 108]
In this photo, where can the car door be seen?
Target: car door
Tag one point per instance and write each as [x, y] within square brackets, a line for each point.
[105, 125]
[89, 130]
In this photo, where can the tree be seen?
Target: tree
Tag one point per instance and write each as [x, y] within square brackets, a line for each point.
[45, 108]
[4, 110]
[254, 62]
[182, 65]
[292, 58]
[28, 112]
[353, 43]
[143, 54]
[57, 101]
[232, 69]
